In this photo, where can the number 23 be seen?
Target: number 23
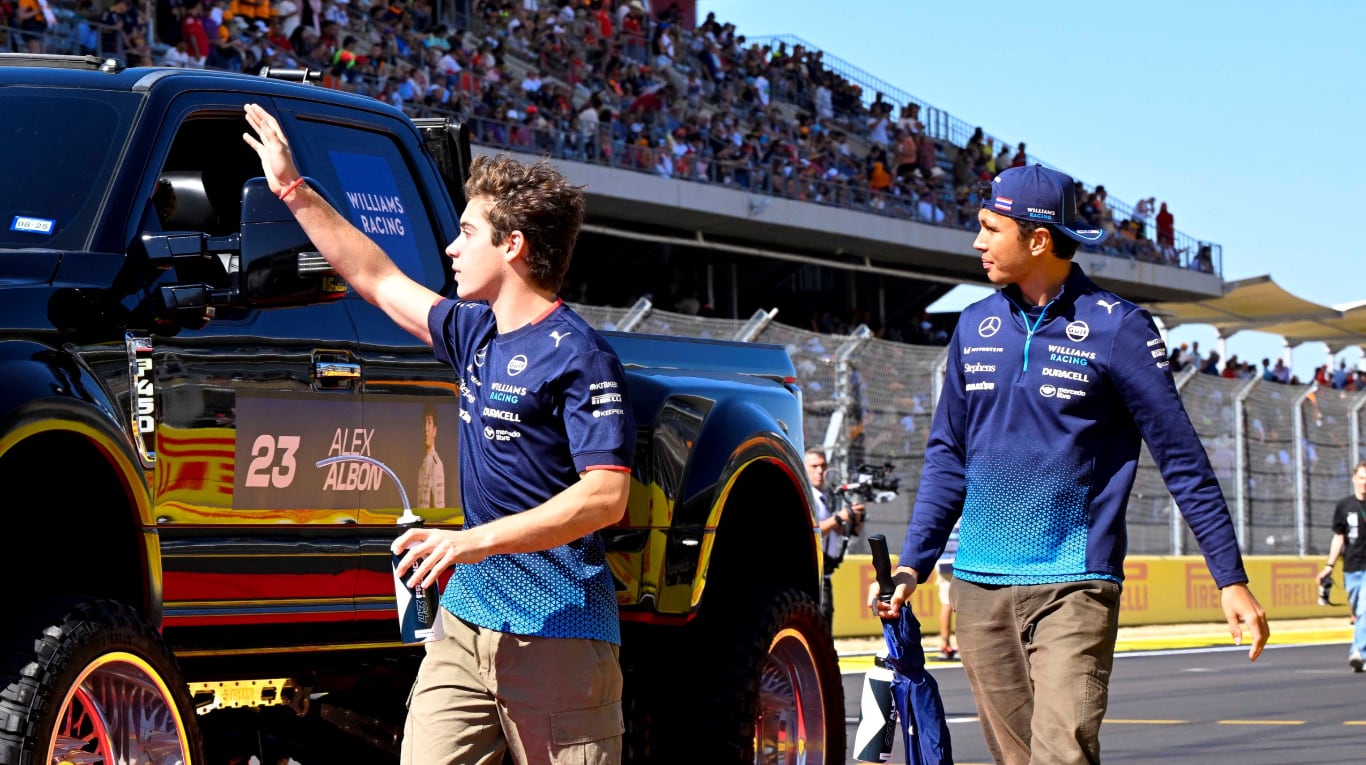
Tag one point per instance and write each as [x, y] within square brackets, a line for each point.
[263, 471]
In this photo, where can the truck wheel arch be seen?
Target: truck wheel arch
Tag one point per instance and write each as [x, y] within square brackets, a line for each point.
[99, 518]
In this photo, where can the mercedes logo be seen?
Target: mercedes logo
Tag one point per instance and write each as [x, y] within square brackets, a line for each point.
[989, 326]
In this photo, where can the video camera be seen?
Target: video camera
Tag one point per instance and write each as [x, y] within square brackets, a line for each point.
[870, 485]
[1326, 592]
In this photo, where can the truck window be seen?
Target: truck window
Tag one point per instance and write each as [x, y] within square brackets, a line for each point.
[199, 187]
[72, 142]
[368, 177]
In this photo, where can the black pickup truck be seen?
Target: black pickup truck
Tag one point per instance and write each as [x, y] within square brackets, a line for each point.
[208, 439]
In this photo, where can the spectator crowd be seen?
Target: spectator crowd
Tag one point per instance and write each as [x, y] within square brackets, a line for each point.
[602, 81]
[1187, 355]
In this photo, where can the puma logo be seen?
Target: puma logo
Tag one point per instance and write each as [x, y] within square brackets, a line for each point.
[1109, 307]
[558, 337]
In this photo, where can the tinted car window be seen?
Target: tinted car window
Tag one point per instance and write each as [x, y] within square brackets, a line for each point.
[367, 174]
[71, 142]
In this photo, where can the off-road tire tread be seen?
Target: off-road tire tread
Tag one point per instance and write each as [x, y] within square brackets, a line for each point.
[45, 638]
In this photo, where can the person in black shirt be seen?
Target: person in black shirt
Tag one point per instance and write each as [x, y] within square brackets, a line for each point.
[1349, 543]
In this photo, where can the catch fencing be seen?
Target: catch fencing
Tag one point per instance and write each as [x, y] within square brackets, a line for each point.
[1283, 454]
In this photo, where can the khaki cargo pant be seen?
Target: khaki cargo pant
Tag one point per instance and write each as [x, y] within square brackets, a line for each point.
[480, 693]
[1038, 658]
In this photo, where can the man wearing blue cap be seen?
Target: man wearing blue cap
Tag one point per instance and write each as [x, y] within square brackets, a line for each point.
[1051, 384]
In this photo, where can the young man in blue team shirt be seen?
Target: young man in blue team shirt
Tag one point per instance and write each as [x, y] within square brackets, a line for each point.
[1050, 385]
[530, 662]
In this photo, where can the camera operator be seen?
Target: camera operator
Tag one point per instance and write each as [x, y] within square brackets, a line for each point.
[836, 527]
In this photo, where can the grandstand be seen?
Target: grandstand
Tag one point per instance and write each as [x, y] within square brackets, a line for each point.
[732, 194]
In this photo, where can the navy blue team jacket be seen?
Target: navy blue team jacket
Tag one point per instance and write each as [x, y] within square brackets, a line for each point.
[1036, 438]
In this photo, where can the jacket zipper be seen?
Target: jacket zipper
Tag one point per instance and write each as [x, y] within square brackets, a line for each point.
[1029, 334]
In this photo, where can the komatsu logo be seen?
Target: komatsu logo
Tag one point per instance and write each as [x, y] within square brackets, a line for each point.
[987, 385]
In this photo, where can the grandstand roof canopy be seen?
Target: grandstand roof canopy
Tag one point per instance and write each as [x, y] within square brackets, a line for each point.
[1261, 305]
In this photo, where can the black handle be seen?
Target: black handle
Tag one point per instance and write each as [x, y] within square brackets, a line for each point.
[882, 564]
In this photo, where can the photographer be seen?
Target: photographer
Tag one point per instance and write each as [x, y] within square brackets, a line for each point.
[836, 527]
[1349, 544]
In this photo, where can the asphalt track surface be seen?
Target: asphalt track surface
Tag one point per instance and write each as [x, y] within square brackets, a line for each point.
[1180, 694]
[1185, 694]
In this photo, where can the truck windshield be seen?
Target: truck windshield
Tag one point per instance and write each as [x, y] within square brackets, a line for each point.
[57, 150]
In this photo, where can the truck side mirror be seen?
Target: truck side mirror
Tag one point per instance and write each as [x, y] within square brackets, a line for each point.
[278, 265]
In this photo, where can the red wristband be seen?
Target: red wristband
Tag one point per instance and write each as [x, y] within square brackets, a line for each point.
[286, 191]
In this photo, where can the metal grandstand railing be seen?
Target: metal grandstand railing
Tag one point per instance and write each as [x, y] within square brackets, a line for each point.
[1283, 454]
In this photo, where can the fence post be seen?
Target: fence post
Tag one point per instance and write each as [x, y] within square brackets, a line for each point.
[837, 432]
[1240, 522]
[937, 378]
[635, 316]
[1301, 486]
[756, 325]
[1355, 421]
[1178, 536]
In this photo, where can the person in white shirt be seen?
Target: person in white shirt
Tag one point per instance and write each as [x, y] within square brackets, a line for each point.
[177, 56]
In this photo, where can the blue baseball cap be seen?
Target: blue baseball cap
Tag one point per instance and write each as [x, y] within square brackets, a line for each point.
[1036, 193]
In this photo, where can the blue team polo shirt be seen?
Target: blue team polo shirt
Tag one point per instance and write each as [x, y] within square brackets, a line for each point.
[538, 406]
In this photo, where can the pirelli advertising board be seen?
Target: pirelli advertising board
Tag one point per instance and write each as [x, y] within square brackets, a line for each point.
[1157, 590]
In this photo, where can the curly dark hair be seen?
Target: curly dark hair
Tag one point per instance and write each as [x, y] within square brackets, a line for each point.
[536, 200]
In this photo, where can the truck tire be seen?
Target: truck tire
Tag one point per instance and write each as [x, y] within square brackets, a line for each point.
[762, 686]
[88, 675]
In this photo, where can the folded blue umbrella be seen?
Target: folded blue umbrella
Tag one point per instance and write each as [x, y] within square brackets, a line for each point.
[915, 693]
[924, 728]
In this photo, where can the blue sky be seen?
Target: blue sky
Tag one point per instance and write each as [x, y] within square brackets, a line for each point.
[1245, 117]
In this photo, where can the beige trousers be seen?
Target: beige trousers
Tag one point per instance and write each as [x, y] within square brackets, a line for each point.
[481, 693]
[1038, 658]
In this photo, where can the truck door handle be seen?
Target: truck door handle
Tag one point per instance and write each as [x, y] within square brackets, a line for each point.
[335, 370]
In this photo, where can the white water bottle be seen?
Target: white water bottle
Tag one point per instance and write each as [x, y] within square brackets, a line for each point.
[419, 608]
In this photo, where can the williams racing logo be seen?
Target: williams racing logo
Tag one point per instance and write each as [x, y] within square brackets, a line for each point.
[1061, 354]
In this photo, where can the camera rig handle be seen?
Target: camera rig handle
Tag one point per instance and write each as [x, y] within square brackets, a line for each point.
[882, 564]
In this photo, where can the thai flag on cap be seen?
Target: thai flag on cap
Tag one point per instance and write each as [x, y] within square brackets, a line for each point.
[1003, 203]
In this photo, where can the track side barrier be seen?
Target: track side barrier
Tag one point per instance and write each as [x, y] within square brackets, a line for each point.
[1157, 590]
